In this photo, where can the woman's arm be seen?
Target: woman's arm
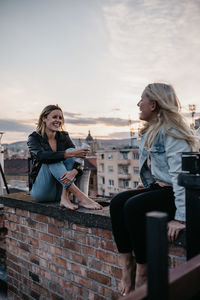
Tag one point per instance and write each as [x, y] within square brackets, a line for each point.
[174, 148]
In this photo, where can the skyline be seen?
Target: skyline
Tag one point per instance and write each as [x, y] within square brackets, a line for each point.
[93, 58]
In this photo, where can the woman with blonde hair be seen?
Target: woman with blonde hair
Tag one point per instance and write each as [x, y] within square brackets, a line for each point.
[164, 136]
[55, 163]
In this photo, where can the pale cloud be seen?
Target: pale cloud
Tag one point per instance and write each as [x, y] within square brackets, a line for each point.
[13, 125]
[155, 41]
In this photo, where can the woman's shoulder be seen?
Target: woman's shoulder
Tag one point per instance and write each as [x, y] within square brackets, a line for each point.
[63, 134]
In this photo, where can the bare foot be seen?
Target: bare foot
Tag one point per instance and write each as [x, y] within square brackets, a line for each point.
[141, 275]
[89, 203]
[68, 204]
[82, 198]
[65, 202]
[126, 283]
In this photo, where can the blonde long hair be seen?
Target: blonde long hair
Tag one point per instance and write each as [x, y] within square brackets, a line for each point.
[169, 116]
[45, 112]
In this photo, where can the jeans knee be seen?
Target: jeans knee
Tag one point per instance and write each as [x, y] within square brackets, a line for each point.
[42, 197]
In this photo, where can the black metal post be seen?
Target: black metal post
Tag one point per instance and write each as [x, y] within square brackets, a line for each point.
[191, 182]
[157, 256]
[4, 179]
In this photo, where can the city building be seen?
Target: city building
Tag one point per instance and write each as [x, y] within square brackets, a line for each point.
[117, 170]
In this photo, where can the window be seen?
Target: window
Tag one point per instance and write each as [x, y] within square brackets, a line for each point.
[123, 154]
[110, 182]
[124, 183]
[102, 156]
[101, 167]
[135, 155]
[110, 155]
[110, 169]
[135, 184]
[102, 180]
[123, 169]
[135, 170]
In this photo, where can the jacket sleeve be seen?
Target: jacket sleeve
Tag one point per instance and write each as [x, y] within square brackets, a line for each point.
[174, 148]
[38, 153]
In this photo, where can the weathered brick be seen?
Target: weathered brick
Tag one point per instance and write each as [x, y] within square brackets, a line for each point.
[114, 271]
[41, 218]
[175, 250]
[24, 229]
[9, 210]
[107, 234]
[82, 259]
[34, 295]
[22, 212]
[59, 261]
[43, 254]
[78, 269]
[105, 256]
[34, 242]
[45, 237]
[71, 245]
[80, 237]
[109, 245]
[54, 230]
[81, 228]
[98, 277]
[92, 241]
[24, 247]
[34, 260]
[53, 221]
[83, 281]
[178, 261]
[95, 264]
[55, 250]
[68, 234]
[56, 297]
[88, 250]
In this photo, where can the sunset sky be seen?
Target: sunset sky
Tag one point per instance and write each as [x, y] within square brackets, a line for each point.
[93, 58]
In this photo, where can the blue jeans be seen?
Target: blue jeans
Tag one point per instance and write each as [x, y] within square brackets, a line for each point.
[48, 186]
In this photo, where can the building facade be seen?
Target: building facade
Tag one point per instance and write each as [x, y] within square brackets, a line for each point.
[117, 170]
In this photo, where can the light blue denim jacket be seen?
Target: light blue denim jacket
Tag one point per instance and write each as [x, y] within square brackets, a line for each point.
[165, 155]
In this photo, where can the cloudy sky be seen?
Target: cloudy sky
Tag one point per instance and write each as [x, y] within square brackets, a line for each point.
[93, 58]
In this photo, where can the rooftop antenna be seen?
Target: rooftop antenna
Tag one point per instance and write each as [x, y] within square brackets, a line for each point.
[192, 109]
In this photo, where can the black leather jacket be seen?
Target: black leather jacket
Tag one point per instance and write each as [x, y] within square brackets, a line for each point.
[41, 151]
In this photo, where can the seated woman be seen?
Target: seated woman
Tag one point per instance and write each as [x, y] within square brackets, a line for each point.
[54, 162]
[164, 136]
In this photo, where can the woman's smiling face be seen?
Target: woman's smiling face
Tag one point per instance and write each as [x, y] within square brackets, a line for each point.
[53, 120]
[147, 108]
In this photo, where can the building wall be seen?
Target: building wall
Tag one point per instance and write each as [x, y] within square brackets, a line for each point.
[117, 170]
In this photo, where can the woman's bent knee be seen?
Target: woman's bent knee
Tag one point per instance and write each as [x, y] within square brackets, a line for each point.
[42, 197]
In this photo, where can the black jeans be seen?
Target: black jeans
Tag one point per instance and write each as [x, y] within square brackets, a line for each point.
[128, 209]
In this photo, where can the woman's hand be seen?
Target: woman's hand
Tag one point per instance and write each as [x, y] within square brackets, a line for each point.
[139, 186]
[174, 227]
[69, 176]
[80, 153]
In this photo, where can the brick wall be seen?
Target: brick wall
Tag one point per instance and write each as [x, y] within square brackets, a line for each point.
[50, 256]
[51, 259]
[3, 232]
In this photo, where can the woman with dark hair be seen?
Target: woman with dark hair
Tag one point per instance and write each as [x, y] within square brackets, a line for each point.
[164, 136]
[54, 162]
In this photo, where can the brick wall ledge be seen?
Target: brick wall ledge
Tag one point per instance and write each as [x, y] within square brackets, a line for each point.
[82, 216]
